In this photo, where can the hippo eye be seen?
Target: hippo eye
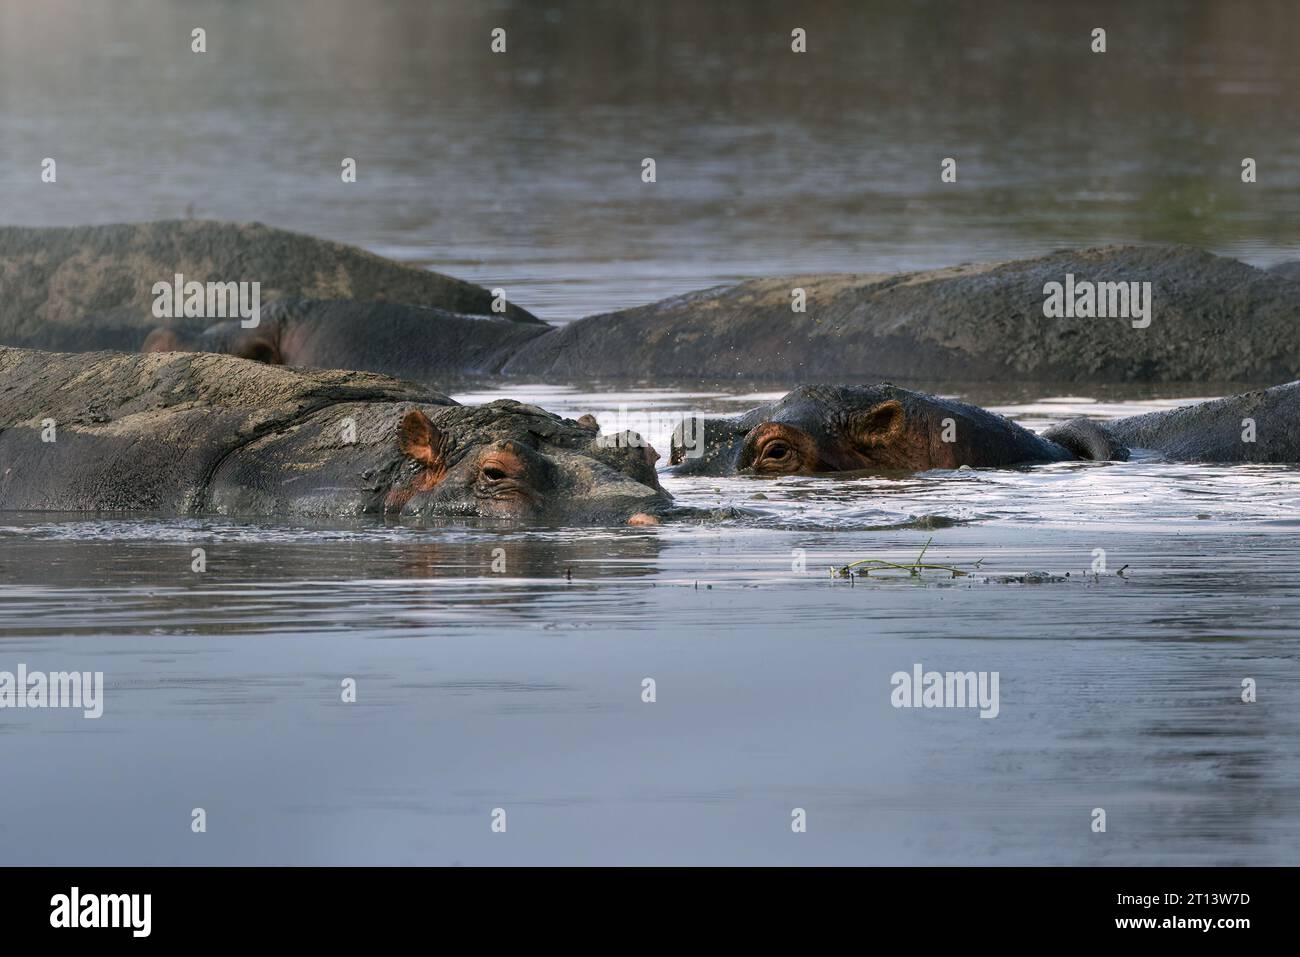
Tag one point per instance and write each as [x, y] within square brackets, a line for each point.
[779, 449]
[499, 468]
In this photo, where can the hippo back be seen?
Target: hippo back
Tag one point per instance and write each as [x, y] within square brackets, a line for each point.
[1212, 318]
[90, 431]
[1259, 426]
[91, 287]
[416, 342]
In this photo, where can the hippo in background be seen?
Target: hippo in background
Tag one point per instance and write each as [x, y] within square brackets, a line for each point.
[198, 433]
[883, 428]
[414, 342]
[91, 287]
[1286, 270]
[1210, 319]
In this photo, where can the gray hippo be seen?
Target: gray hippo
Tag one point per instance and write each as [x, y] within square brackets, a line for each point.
[92, 287]
[1201, 318]
[820, 429]
[1286, 270]
[414, 342]
[1209, 319]
[1183, 314]
[199, 433]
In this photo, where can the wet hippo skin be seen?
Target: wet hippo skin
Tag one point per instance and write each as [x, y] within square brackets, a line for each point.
[199, 433]
[84, 288]
[1211, 319]
[824, 429]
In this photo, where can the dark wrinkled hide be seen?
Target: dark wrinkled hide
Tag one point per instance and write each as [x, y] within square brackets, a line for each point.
[1213, 431]
[90, 287]
[1213, 319]
[392, 338]
[190, 433]
[831, 417]
[1287, 270]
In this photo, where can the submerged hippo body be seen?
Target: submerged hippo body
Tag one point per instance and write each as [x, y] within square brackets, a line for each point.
[1217, 431]
[822, 429]
[417, 342]
[91, 287]
[1210, 318]
[197, 433]
[817, 429]
[1286, 270]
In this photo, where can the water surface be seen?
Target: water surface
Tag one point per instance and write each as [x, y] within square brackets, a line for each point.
[520, 688]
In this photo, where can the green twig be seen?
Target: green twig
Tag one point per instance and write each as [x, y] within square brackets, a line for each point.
[915, 568]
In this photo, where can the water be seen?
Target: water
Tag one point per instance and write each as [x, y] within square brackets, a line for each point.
[520, 687]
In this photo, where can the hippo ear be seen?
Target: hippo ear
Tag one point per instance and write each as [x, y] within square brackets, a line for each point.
[422, 440]
[881, 424]
[259, 350]
[163, 339]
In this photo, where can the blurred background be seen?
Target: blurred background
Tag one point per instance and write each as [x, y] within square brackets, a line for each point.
[523, 169]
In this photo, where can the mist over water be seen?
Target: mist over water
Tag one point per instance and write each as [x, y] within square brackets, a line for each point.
[522, 688]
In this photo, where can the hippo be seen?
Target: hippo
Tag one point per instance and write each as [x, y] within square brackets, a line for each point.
[1209, 319]
[1203, 317]
[1289, 269]
[87, 288]
[413, 342]
[823, 429]
[197, 433]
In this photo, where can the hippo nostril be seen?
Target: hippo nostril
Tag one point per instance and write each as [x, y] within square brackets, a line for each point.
[641, 518]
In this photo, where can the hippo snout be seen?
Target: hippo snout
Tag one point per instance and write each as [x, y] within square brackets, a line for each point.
[628, 503]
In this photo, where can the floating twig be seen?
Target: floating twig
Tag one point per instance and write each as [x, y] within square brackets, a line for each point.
[867, 565]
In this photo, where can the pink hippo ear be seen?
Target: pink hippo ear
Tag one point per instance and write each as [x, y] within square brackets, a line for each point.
[427, 444]
[423, 441]
[882, 424]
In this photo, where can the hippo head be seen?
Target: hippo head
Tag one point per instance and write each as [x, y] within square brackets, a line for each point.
[512, 461]
[817, 429]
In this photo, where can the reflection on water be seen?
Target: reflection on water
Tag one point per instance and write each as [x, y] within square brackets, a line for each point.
[519, 685]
